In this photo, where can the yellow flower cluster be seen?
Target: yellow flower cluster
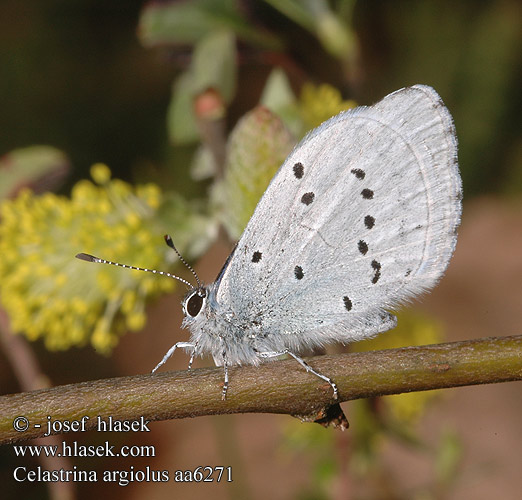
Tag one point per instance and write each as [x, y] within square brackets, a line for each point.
[320, 102]
[49, 294]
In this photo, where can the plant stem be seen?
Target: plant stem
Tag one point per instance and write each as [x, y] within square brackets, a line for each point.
[280, 387]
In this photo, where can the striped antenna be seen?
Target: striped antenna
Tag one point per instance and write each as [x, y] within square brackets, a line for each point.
[92, 258]
[170, 243]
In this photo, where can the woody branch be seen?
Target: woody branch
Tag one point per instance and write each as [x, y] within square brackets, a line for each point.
[279, 387]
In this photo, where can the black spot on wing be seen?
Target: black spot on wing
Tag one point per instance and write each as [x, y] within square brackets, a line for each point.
[347, 303]
[298, 170]
[363, 247]
[360, 174]
[256, 256]
[367, 194]
[298, 272]
[369, 221]
[307, 198]
[377, 268]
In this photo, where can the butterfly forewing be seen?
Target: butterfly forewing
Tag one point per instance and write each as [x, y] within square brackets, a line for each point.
[361, 217]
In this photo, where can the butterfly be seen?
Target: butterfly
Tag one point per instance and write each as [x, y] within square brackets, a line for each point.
[361, 218]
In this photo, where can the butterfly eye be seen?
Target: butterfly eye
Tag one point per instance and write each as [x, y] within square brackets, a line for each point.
[194, 304]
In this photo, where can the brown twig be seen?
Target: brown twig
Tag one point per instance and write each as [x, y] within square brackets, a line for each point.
[280, 387]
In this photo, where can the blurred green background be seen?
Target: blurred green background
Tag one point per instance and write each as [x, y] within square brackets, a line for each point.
[74, 75]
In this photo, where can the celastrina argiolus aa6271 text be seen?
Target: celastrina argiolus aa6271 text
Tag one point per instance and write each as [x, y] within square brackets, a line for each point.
[360, 218]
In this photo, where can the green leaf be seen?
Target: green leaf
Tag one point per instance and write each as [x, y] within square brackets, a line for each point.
[214, 64]
[257, 146]
[188, 22]
[279, 98]
[318, 18]
[40, 168]
[181, 123]
[302, 13]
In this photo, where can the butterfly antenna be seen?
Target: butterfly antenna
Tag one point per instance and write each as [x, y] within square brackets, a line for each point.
[92, 258]
[170, 243]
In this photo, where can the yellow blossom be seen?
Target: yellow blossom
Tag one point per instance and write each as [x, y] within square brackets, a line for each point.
[320, 102]
[100, 173]
[49, 294]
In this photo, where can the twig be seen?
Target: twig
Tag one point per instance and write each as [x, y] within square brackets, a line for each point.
[280, 387]
[21, 357]
[31, 378]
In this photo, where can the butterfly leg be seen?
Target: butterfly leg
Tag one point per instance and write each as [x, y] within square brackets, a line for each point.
[304, 364]
[191, 360]
[225, 383]
[170, 352]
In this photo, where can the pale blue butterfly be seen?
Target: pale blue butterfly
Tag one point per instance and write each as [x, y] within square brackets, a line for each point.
[360, 218]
